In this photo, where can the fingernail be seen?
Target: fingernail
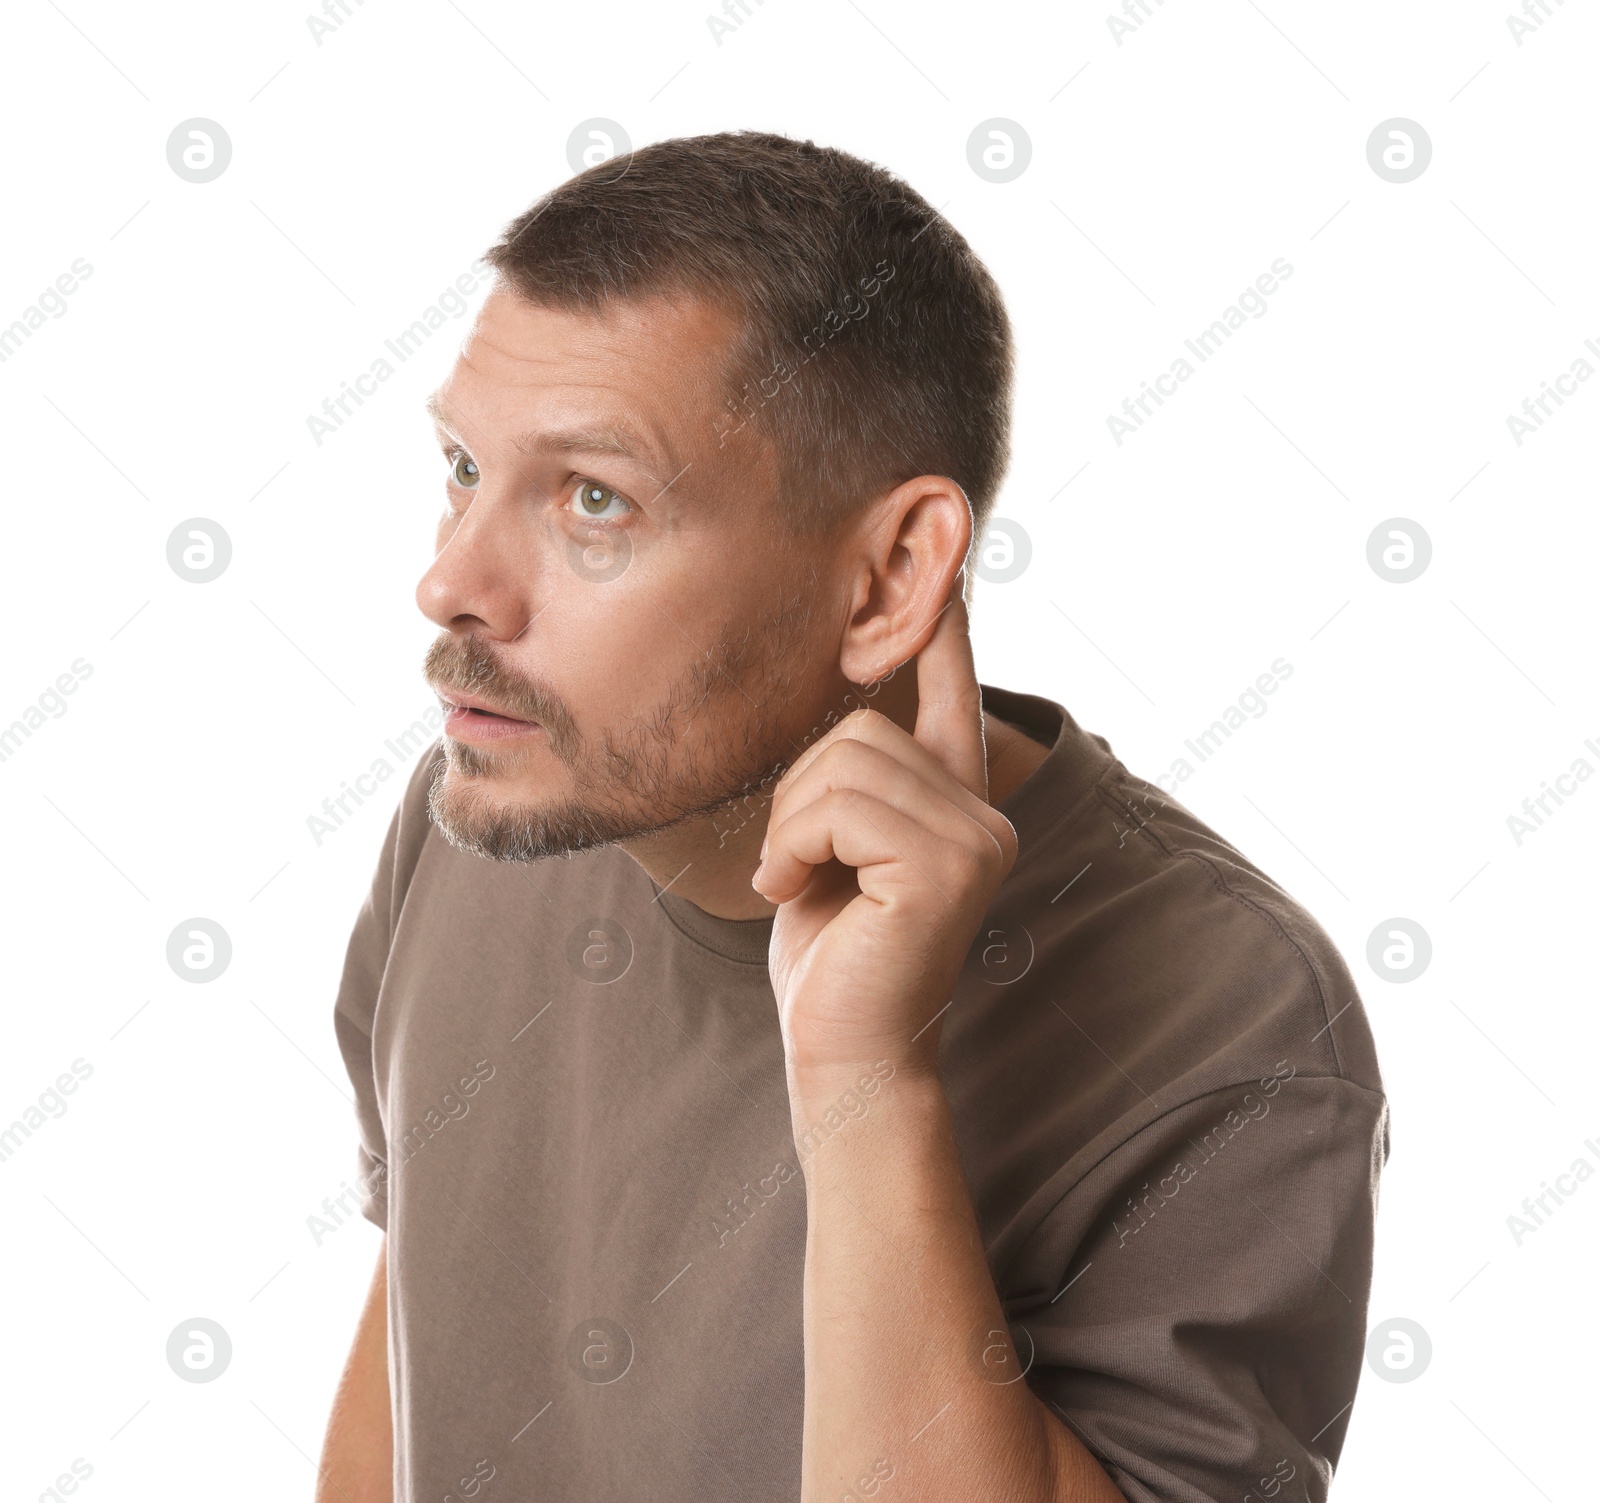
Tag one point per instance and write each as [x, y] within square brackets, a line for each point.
[755, 880]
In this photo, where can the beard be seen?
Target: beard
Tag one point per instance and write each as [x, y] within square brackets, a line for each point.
[725, 729]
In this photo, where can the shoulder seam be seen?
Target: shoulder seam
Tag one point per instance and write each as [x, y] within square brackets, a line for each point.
[1041, 840]
[1228, 890]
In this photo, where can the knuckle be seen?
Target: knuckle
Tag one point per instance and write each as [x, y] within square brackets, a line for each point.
[839, 801]
[842, 756]
[991, 852]
[971, 863]
[828, 811]
[851, 765]
[865, 718]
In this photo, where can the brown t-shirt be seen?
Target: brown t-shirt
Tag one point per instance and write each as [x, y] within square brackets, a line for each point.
[574, 1126]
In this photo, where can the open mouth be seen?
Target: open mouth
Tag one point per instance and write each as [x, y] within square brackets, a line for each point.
[475, 723]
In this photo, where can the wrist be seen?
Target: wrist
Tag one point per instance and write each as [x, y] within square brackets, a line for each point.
[816, 1083]
[818, 1066]
[835, 1101]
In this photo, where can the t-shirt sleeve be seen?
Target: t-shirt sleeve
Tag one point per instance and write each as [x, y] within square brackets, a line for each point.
[1205, 1324]
[366, 958]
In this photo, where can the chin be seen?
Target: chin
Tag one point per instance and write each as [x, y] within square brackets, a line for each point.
[488, 760]
[478, 814]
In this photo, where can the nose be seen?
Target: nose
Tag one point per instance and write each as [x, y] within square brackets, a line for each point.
[485, 574]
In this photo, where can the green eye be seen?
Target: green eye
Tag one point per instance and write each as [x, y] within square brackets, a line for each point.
[463, 471]
[595, 500]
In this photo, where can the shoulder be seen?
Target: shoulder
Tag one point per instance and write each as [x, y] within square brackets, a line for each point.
[1135, 964]
[1275, 967]
[1174, 940]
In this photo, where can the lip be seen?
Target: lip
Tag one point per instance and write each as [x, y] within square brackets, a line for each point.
[469, 718]
[455, 700]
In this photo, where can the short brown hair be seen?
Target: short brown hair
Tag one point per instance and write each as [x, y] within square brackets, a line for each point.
[876, 345]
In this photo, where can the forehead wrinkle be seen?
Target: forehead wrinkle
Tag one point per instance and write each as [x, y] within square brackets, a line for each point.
[612, 440]
[615, 441]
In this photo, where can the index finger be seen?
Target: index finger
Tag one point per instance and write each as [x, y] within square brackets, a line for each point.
[949, 702]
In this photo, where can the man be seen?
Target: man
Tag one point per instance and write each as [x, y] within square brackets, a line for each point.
[888, 1094]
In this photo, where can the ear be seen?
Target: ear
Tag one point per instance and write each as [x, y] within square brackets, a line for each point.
[912, 542]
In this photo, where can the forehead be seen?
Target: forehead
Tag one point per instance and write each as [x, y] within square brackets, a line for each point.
[657, 365]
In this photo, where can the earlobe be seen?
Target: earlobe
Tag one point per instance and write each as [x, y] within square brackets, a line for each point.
[916, 538]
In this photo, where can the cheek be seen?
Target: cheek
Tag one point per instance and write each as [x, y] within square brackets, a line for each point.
[610, 649]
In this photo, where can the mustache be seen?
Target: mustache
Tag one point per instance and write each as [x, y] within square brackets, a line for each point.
[468, 665]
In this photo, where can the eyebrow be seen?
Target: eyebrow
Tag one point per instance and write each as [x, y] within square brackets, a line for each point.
[616, 441]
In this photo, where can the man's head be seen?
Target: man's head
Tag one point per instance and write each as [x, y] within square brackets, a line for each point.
[716, 446]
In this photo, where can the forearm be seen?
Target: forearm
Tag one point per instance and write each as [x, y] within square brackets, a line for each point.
[358, 1452]
[900, 1309]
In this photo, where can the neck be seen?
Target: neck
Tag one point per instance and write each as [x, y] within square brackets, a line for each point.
[710, 861]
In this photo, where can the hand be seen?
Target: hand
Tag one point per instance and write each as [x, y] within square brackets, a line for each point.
[882, 854]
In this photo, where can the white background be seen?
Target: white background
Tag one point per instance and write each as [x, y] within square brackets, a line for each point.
[1167, 173]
